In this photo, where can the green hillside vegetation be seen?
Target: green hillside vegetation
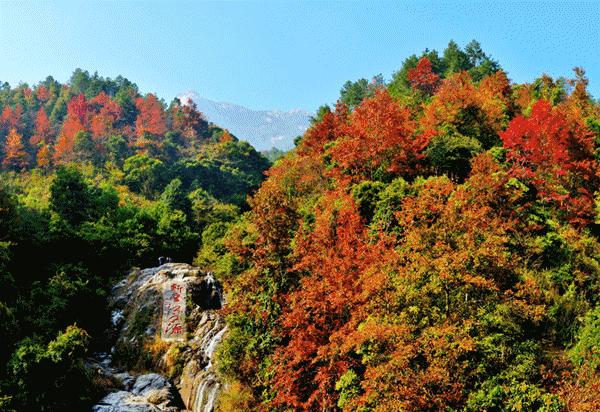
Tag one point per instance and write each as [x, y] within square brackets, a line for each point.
[71, 225]
[432, 243]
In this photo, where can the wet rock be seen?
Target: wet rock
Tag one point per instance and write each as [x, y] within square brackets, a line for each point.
[149, 382]
[126, 380]
[123, 401]
[184, 373]
[149, 392]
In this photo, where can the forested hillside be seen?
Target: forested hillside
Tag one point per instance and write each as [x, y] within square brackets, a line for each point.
[97, 178]
[431, 244]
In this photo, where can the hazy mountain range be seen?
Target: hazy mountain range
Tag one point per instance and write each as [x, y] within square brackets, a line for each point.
[264, 129]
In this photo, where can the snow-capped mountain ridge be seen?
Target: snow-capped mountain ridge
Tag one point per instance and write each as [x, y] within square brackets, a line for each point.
[264, 129]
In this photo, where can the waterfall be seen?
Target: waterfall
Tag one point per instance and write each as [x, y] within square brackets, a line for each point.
[212, 345]
[207, 394]
[212, 282]
[208, 384]
[212, 396]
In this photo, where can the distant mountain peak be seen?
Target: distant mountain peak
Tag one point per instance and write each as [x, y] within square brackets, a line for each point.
[263, 129]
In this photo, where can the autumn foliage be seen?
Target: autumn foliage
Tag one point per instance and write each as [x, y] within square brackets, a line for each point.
[555, 154]
[82, 199]
[43, 129]
[61, 124]
[423, 78]
[151, 118]
[107, 113]
[12, 118]
[478, 111]
[15, 156]
[379, 135]
[431, 244]
[372, 278]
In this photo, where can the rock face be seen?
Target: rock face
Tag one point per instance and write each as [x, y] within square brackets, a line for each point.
[183, 375]
[150, 392]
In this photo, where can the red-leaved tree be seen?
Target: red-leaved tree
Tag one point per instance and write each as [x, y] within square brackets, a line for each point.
[151, 117]
[423, 78]
[43, 129]
[77, 120]
[556, 154]
[380, 134]
[107, 113]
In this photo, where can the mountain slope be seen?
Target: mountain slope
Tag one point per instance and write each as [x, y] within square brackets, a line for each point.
[264, 129]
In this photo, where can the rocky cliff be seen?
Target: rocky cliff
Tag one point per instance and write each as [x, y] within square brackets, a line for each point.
[143, 371]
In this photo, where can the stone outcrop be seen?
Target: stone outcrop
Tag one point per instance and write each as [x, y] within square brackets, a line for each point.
[182, 371]
[149, 392]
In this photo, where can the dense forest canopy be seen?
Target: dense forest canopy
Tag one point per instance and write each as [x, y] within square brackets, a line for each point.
[432, 242]
[97, 178]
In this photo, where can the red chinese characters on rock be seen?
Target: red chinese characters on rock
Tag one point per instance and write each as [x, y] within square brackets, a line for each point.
[173, 319]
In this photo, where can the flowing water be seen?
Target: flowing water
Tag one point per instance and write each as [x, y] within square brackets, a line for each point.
[208, 385]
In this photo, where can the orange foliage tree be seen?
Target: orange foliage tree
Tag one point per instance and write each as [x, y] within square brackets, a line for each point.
[277, 215]
[380, 136]
[15, 156]
[42, 94]
[107, 113]
[333, 257]
[150, 124]
[12, 119]
[226, 137]
[476, 111]
[328, 129]
[44, 157]
[43, 129]
[187, 120]
[77, 121]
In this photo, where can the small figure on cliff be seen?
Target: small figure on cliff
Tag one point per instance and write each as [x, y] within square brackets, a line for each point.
[161, 260]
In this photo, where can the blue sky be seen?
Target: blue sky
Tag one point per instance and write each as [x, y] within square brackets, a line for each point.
[284, 55]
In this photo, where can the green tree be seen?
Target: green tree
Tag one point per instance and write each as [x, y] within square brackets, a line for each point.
[117, 149]
[175, 198]
[321, 111]
[352, 93]
[451, 152]
[51, 377]
[144, 174]
[366, 195]
[125, 97]
[481, 64]
[8, 214]
[75, 201]
[85, 148]
[455, 59]
[70, 196]
[586, 349]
